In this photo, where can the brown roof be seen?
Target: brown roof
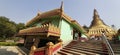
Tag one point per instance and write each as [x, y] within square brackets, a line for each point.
[42, 30]
[48, 14]
[75, 22]
[59, 12]
[43, 15]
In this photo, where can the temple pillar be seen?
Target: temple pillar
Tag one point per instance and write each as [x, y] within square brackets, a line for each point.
[29, 42]
[49, 48]
[36, 42]
[34, 46]
[25, 41]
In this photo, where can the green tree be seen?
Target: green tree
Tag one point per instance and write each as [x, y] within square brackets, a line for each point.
[9, 28]
[20, 26]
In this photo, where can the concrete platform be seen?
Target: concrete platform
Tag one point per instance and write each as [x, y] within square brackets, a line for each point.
[9, 50]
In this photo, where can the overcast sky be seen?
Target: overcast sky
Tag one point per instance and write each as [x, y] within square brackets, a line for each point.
[80, 10]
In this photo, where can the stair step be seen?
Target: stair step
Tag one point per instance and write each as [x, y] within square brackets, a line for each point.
[72, 52]
[57, 54]
[116, 51]
[90, 50]
[64, 53]
[89, 45]
[24, 49]
[85, 47]
[80, 51]
[116, 48]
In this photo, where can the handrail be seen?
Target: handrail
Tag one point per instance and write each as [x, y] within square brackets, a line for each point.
[53, 48]
[110, 50]
[49, 49]
[34, 49]
[40, 49]
[58, 45]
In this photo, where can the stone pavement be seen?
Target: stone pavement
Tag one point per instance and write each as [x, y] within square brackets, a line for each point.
[9, 50]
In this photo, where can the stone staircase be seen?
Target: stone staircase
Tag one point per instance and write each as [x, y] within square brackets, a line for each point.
[23, 50]
[91, 47]
[116, 48]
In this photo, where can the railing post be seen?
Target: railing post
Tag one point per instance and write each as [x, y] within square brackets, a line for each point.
[33, 48]
[49, 48]
[61, 41]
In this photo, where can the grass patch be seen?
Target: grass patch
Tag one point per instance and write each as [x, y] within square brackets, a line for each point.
[10, 44]
[7, 44]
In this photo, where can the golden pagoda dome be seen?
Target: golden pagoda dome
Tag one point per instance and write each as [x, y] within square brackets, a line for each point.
[98, 26]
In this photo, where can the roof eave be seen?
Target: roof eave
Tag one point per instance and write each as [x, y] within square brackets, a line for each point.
[74, 22]
[44, 15]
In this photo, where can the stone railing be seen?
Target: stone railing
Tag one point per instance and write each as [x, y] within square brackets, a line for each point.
[37, 51]
[42, 29]
[53, 48]
[50, 49]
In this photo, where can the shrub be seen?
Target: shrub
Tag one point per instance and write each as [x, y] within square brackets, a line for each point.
[7, 44]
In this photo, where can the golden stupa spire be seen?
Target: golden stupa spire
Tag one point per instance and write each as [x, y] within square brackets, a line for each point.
[96, 19]
[98, 26]
[96, 15]
[95, 12]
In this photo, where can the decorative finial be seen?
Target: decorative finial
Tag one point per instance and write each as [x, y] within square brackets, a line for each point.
[61, 7]
[39, 12]
[96, 15]
[95, 12]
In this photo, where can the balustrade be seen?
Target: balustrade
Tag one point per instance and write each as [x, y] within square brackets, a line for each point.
[106, 45]
[37, 51]
[50, 49]
[53, 48]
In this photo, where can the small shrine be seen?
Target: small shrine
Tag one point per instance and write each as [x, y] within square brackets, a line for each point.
[47, 32]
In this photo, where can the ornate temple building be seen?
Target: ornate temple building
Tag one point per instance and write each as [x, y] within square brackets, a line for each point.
[98, 26]
[49, 31]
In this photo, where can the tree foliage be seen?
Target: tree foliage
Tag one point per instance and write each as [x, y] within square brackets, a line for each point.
[9, 28]
[20, 26]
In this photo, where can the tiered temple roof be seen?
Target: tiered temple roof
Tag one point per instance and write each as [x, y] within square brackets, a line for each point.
[98, 26]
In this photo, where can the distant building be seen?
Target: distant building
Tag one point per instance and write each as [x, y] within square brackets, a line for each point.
[98, 26]
[50, 27]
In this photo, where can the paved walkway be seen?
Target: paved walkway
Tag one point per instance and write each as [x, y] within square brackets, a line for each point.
[9, 50]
